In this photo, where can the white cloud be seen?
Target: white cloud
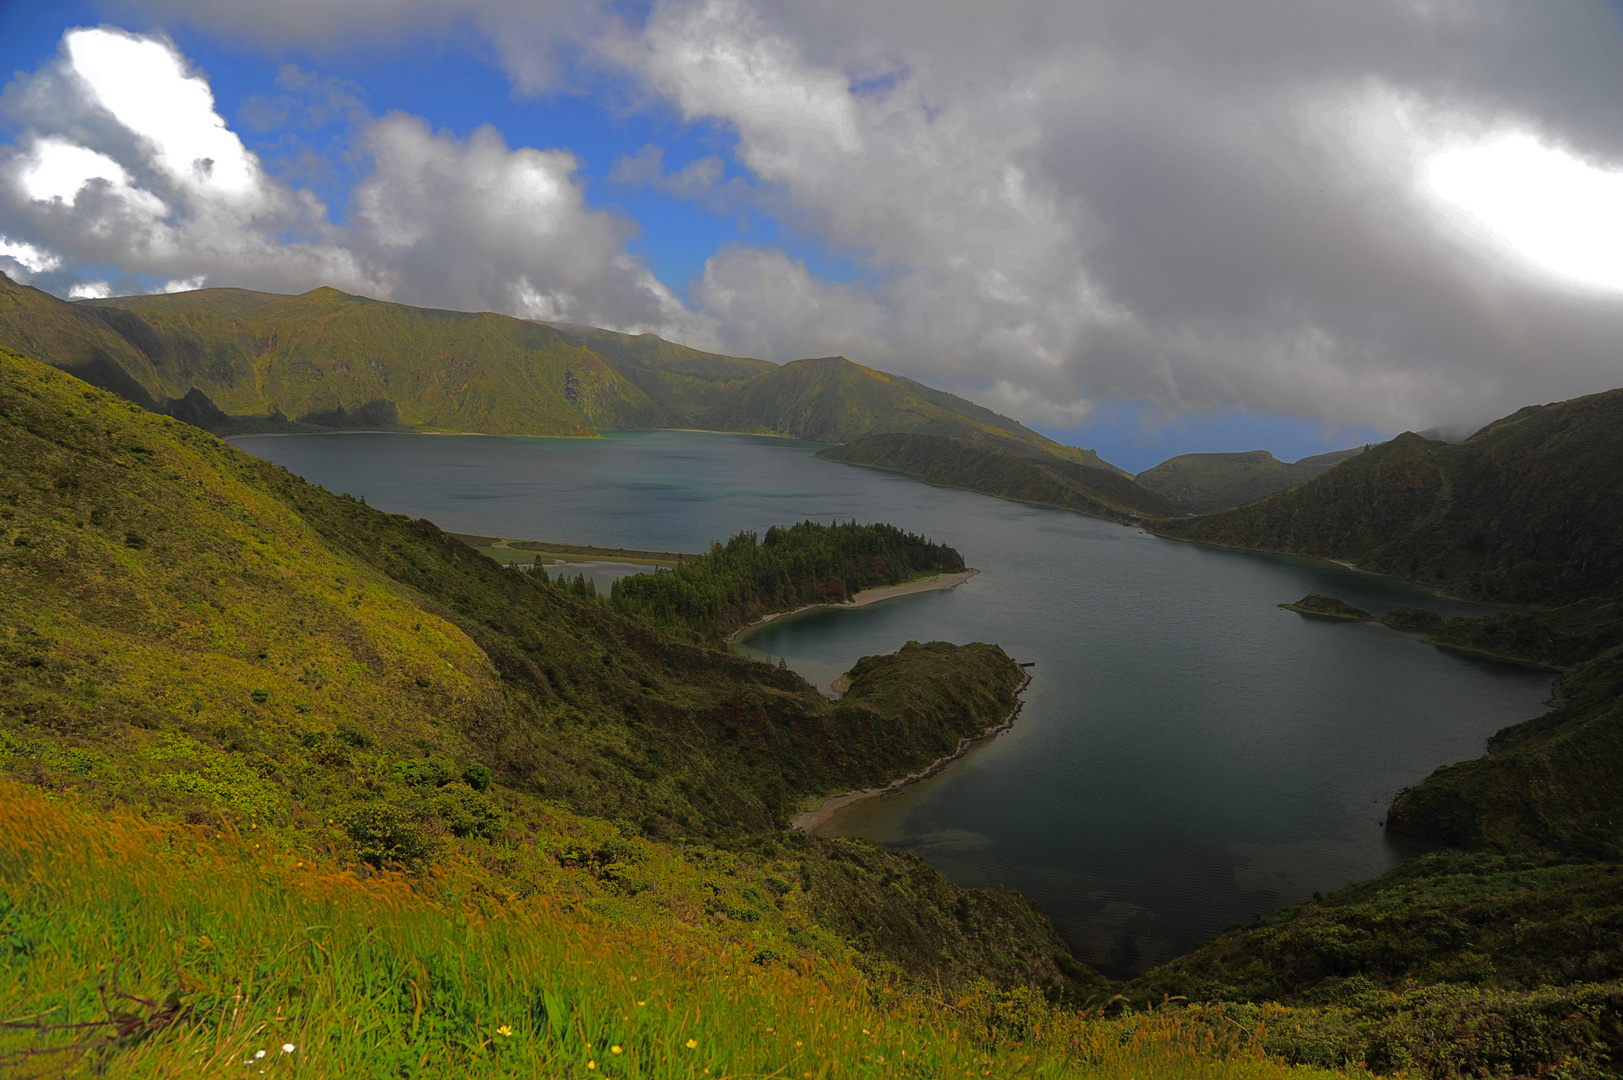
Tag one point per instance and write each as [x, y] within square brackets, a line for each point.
[31, 259]
[144, 83]
[1196, 207]
[1539, 203]
[471, 223]
[125, 161]
[90, 290]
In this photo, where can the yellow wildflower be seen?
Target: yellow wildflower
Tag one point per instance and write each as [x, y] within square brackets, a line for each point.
[505, 1032]
[591, 1064]
[693, 1044]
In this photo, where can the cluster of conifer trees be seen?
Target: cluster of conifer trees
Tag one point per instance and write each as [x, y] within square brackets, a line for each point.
[752, 575]
[579, 585]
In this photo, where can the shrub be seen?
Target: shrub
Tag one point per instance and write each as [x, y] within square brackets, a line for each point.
[468, 812]
[386, 834]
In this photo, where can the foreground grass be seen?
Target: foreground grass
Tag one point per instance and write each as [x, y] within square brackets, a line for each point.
[134, 949]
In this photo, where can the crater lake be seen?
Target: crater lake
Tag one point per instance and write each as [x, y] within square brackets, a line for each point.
[1189, 755]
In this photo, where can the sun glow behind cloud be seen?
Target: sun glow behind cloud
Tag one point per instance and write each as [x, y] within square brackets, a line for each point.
[1543, 206]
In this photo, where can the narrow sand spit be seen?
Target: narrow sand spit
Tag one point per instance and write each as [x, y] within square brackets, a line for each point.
[812, 820]
[863, 599]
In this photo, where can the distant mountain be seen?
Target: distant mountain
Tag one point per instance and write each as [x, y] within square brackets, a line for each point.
[1007, 471]
[832, 400]
[1207, 483]
[1527, 510]
[234, 360]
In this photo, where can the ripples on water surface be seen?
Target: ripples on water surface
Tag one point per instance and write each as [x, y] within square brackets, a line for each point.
[1189, 754]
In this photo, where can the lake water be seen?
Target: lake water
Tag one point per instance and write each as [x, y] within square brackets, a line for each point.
[1189, 755]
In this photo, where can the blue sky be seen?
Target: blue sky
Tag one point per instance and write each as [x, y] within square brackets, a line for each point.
[1094, 222]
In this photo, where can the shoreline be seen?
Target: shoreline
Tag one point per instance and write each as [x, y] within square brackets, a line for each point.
[862, 599]
[809, 821]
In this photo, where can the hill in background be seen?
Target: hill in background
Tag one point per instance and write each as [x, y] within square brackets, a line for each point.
[1527, 510]
[234, 360]
[1206, 483]
[229, 359]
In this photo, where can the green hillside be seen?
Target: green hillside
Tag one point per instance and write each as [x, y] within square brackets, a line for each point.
[1207, 483]
[832, 400]
[686, 381]
[1510, 943]
[277, 767]
[1527, 510]
[187, 628]
[326, 359]
[231, 360]
[1008, 471]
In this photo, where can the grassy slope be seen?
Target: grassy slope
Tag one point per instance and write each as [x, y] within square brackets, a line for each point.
[192, 630]
[1528, 510]
[685, 380]
[832, 400]
[1006, 471]
[228, 946]
[443, 370]
[1451, 965]
[1207, 483]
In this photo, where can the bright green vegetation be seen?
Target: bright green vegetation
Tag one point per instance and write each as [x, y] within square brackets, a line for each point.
[1008, 472]
[229, 700]
[749, 576]
[1328, 607]
[1528, 510]
[214, 946]
[1501, 958]
[1206, 483]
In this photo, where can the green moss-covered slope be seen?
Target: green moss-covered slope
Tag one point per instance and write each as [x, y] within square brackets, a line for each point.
[1207, 483]
[1007, 471]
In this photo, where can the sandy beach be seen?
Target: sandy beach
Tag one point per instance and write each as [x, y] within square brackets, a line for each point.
[864, 598]
[812, 820]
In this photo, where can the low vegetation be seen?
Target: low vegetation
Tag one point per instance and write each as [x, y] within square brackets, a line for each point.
[1328, 607]
[142, 949]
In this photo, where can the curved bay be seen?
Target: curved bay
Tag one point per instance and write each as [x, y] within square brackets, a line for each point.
[1189, 754]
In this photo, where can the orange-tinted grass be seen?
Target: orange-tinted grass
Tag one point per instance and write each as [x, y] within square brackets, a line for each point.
[435, 977]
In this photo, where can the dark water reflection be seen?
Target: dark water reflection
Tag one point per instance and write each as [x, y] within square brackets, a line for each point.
[1189, 754]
